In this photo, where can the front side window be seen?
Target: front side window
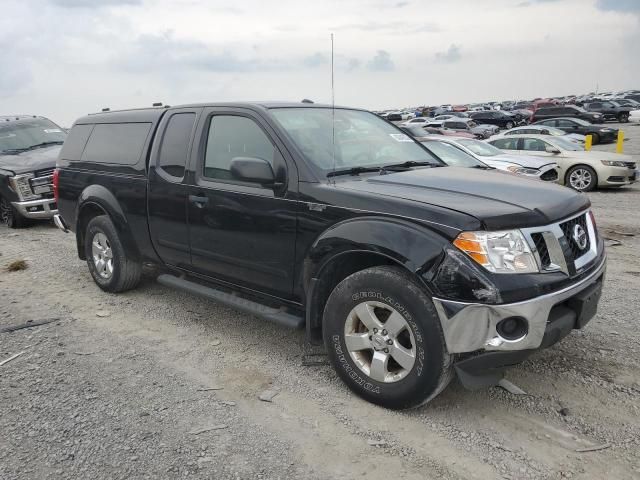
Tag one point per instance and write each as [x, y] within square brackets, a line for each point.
[343, 138]
[231, 137]
[506, 143]
[175, 144]
[534, 145]
[565, 123]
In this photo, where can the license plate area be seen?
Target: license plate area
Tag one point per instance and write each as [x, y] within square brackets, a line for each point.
[585, 303]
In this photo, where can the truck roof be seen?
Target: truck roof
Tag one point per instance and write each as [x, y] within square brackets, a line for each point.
[152, 114]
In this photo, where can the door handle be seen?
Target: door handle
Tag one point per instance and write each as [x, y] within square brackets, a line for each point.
[198, 201]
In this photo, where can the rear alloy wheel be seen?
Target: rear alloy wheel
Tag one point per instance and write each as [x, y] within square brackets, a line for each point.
[384, 338]
[582, 178]
[9, 216]
[111, 266]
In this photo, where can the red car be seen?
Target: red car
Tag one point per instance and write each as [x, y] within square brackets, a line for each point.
[459, 108]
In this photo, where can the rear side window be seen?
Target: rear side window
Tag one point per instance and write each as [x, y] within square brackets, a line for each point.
[534, 145]
[118, 143]
[231, 137]
[75, 142]
[175, 144]
[506, 143]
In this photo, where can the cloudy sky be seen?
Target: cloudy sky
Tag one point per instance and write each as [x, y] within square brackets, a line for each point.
[64, 58]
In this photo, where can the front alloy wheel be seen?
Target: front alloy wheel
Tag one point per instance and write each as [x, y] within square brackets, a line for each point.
[380, 342]
[9, 216]
[582, 178]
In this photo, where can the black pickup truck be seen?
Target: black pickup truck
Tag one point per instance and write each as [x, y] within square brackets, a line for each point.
[29, 147]
[406, 270]
[609, 110]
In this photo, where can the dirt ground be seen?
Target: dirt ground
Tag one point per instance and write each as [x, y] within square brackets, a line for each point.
[154, 383]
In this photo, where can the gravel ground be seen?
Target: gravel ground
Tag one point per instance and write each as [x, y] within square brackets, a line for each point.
[159, 384]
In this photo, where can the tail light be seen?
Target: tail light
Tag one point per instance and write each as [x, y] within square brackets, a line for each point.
[56, 174]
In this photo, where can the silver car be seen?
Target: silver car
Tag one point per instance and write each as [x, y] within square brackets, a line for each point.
[528, 166]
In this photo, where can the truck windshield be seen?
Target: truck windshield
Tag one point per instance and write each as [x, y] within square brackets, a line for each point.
[21, 135]
[341, 139]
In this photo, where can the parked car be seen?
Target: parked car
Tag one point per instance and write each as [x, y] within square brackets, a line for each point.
[448, 133]
[609, 110]
[627, 102]
[546, 130]
[498, 118]
[467, 125]
[530, 167]
[409, 271]
[415, 132]
[29, 147]
[454, 156]
[566, 111]
[581, 170]
[599, 133]
[418, 121]
[394, 116]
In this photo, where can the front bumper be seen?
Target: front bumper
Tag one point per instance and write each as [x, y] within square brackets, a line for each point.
[43, 208]
[472, 327]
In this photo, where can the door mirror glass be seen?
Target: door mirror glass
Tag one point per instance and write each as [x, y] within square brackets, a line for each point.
[255, 170]
[551, 149]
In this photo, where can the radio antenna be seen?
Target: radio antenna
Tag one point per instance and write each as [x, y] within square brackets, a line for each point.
[333, 112]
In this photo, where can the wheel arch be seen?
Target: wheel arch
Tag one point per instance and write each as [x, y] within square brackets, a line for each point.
[361, 243]
[97, 200]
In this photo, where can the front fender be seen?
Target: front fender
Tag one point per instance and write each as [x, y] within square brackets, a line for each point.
[97, 197]
[414, 247]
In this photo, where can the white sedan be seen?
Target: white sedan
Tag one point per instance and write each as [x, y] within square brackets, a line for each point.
[544, 130]
[580, 170]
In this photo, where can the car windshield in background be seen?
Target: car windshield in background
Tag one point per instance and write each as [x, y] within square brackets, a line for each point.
[361, 138]
[25, 134]
[567, 144]
[452, 155]
[481, 148]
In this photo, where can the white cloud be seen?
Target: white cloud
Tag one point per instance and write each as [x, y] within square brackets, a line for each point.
[77, 56]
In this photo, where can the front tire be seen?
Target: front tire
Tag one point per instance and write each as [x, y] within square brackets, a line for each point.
[509, 125]
[623, 117]
[384, 339]
[9, 216]
[111, 266]
[582, 178]
[595, 138]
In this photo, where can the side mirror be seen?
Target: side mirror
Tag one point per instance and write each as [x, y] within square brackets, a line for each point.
[255, 170]
[550, 149]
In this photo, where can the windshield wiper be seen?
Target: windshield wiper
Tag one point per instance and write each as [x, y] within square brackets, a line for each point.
[353, 171]
[13, 150]
[483, 167]
[45, 144]
[409, 164]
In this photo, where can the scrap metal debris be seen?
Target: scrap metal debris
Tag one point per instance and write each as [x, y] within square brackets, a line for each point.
[511, 388]
[207, 429]
[268, 395]
[595, 448]
[13, 357]
[31, 324]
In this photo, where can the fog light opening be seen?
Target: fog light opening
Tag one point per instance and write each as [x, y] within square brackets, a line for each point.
[512, 328]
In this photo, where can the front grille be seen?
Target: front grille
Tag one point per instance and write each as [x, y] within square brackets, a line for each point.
[549, 175]
[568, 230]
[42, 183]
[543, 251]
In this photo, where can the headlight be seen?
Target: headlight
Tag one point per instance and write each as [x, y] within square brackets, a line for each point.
[606, 130]
[613, 163]
[499, 252]
[523, 170]
[20, 184]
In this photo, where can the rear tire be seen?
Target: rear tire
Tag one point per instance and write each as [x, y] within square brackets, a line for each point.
[112, 268]
[9, 216]
[384, 338]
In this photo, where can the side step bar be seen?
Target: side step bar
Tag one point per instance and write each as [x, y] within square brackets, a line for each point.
[253, 308]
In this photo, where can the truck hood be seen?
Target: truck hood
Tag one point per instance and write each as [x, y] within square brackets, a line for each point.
[31, 160]
[499, 201]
